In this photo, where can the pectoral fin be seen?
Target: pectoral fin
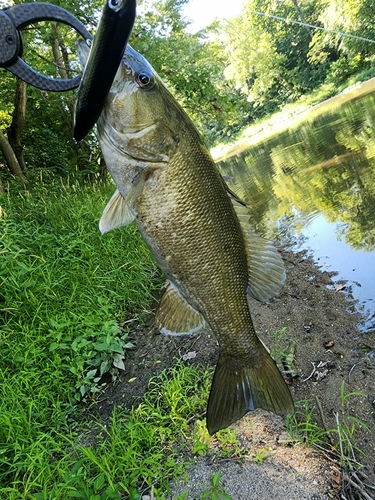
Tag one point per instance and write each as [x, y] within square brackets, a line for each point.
[117, 213]
[265, 265]
[175, 316]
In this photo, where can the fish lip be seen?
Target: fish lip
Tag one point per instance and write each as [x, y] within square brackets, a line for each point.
[104, 59]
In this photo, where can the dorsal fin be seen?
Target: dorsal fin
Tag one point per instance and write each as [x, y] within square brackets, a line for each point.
[265, 265]
[175, 316]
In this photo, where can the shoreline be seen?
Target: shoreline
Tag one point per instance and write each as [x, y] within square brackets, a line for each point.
[288, 118]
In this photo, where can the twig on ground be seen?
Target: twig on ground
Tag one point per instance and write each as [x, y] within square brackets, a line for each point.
[357, 486]
[311, 374]
[350, 372]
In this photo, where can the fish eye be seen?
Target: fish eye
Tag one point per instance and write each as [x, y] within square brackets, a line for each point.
[115, 5]
[145, 80]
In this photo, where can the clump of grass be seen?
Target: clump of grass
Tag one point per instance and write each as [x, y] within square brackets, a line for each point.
[283, 353]
[136, 452]
[224, 443]
[214, 491]
[338, 443]
[355, 484]
[303, 425]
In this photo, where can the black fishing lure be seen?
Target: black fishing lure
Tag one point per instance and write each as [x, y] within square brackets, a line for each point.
[106, 53]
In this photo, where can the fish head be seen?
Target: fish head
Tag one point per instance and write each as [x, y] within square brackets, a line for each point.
[138, 129]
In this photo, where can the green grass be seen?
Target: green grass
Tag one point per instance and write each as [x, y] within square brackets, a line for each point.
[214, 491]
[63, 290]
[338, 443]
[137, 451]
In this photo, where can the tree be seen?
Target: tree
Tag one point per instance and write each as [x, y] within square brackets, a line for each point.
[18, 123]
[191, 64]
[40, 128]
[255, 64]
[11, 159]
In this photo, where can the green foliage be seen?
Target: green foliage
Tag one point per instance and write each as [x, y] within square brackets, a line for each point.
[191, 64]
[184, 395]
[347, 426]
[342, 438]
[261, 455]
[216, 490]
[201, 438]
[255, 63]
[96, 352]
[226, 76]
[302, 425]
[283, 353]
[106, 469]
[63, 288]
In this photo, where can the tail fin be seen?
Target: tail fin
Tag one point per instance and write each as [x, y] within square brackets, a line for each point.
[234, 392]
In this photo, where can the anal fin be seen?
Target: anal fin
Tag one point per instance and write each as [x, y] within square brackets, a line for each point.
[175, 316]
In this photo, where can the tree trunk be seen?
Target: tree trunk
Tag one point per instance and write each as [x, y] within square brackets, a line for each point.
[18, 123]
[60, 56]
[301, 16]
[11, 158]
[57, 53]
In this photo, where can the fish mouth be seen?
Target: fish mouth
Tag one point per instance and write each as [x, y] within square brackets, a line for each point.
[104, 59]
[135, 62]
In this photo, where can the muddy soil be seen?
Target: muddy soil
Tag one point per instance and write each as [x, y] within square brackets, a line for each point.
[317, 315]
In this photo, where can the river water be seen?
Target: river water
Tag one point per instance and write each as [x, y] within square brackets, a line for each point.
[311, 185]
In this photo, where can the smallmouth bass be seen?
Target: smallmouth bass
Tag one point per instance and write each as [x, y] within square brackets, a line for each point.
[198, 232]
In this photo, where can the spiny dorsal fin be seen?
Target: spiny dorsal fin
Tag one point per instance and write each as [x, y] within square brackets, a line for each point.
[175, 316]
[265, 265]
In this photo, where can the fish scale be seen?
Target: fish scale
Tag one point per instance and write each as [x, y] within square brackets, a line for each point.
[198, 232]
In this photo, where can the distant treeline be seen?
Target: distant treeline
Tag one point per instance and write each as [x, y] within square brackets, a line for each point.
[226, 76]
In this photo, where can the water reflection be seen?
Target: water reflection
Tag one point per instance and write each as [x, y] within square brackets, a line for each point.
[313, 185]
